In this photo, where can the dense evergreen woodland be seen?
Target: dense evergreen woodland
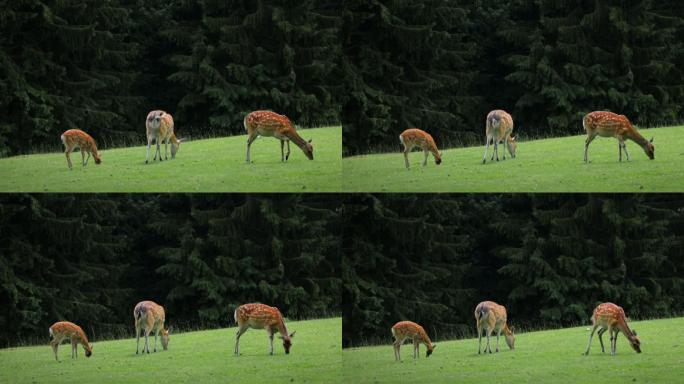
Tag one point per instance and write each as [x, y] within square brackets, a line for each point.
[90, 258]
[441, 65]
[550, 259]
[101, 65]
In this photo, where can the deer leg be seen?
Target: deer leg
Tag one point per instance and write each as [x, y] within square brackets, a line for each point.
[600, 336]
[67, 152]
[270, 337]
[250, 140]
[416, 347]
[505, 145]
[137, 339]
[73, 349]
[287, 155]
[83, 162]
[590, 138]
[479, 333]
[87, 158]
[397, 348]
[282, 150]
[488, 347]
[155, 340]
[613, 338]
[593, 329]
[624, 147]
[55, 346]
[239, 333]
[406, 152]
[158, 150]
[498, 333]
[484, 158]
[149, 144]
[147, 332]
[166, 149]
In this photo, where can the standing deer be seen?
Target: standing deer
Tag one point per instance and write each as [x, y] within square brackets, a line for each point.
[66, 330]
[261, 316]
[491, 317]
[610, 317]
[76, 138]
[499, 126]
[414, 137]
[409, 330]
[159, 127]
[271, 124]
[149, 317]
[608, 124]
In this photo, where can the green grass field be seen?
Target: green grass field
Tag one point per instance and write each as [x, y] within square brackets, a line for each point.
[539, 357]
[211, 165]
[193, 357]
[549, 165]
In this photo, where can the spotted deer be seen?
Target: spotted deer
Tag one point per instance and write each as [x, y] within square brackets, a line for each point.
[610, 317]
[409, 330]
[67, 330]
[499, 127]
[159, 128]
[609, 124]
[150, 317]
[491, 317]
[414, 137]
[271, 124]
[261, 316]
[75, 138]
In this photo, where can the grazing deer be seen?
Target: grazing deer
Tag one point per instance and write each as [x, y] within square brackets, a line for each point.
[414, 137]
[149, 317]
[271, 124]
[608, 124]
[66, 330]
[610, 317]
[159, 127]
[76, 138]
[261, 316]
[491, 317]
[499, 127]
[409, 330]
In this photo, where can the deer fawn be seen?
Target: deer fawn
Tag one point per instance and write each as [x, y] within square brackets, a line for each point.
[499, 127]
[62, 330]
[611, 317]
[409, 330]
[271, 124]
[260, 316]
[159, 127]
[149, 317]
[491, 317]
[608, 124]
[76, 138]
[414, 137]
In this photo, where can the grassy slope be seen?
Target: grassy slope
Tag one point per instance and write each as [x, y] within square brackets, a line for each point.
[197, 357]
[539, 357]
[211, 165]
[550, 165]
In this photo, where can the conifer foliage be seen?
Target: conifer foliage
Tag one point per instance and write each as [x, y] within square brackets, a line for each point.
[90, 258]
[550, 259]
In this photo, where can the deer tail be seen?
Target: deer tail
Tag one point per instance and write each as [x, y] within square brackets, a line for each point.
[140, 312]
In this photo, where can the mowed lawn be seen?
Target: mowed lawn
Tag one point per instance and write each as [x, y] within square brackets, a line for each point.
[549, 165]
[211, 165]
[193, 357]
[539, 357]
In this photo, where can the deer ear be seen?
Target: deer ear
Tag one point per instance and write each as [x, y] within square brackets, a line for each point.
[650, 141]
[292, 334]
[513, 138]
[169, 329]
[182, 139]
[310, 140]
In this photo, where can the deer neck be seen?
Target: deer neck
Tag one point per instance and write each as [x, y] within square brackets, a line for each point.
[295, 138]
[622, 325]
[636, 137]
[425, 339]
[507, 330]
[282, 329]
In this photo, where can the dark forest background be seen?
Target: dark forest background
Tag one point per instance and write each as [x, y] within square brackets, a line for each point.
[101, 65]
[442, 65]
[550, 259]
[90, 258]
